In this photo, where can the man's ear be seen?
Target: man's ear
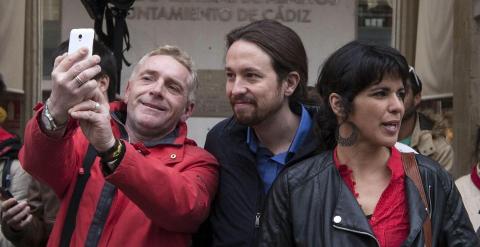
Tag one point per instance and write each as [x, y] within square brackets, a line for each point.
[127, 92]
[291, 82]
[336, 104]
[103, 83]
[188, 111]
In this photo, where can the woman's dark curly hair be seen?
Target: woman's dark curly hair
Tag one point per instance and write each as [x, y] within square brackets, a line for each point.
[347, 72]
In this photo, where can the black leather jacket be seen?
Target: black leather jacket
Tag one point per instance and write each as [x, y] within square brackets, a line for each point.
[310, 205]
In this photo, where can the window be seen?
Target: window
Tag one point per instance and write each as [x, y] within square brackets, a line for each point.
[51, 39]
[375, 21]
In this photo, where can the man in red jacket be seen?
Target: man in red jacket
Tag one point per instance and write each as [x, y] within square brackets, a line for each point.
[149, 185]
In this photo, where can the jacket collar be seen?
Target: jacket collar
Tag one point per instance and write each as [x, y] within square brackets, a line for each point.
[415, 137]
[311, 144]
[352, 217]
[422, 139]
[5, 135]
[301, 133]
[416, 211]
[119, 115]
[348, 214]
[475, 177]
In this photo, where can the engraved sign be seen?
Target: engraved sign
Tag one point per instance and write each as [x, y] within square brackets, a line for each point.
[227, 10]
[199, 27]
[211, 100]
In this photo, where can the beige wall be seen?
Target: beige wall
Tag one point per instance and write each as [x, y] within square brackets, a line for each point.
[323, 25]
[12, 26]
[466, 78]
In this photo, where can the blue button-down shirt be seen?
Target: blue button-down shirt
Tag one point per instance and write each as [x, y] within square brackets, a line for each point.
[269, 165]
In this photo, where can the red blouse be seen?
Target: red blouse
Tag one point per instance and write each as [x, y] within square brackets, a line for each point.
[389, 220]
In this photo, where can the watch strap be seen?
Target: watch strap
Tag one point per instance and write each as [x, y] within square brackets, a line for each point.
[52, 126]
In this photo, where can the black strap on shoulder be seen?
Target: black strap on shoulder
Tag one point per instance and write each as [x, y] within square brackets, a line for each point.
[71, 218]
[6, 178]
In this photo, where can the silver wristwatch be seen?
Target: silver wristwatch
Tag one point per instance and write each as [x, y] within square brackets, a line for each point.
[50, 125]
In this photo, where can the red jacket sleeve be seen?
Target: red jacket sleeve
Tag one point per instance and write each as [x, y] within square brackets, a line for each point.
[176, 196]
[51, 160]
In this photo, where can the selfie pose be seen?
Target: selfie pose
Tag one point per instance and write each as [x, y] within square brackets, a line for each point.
[125, 172]
[359, 193]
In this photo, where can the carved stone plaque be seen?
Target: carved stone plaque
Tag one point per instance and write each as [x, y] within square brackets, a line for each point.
[211, 100]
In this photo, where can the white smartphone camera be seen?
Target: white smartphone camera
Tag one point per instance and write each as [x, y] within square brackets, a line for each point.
[81, 37]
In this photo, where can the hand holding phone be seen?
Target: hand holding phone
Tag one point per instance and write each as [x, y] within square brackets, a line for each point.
[81, 37]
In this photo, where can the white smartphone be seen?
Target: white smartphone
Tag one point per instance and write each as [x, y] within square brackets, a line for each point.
[81, 37]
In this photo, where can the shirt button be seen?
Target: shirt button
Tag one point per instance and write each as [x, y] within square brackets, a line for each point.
[337, 219]
[173, 156]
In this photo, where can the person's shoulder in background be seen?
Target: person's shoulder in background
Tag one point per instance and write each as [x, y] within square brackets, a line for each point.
[403, 148]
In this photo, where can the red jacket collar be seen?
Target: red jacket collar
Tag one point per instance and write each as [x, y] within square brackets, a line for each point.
[181, 129]
[474, 177]
[5, 135]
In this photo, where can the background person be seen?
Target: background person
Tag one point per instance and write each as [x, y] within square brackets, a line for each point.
[422, 133]
[469, 188]
[12, 177]
[357, 193]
